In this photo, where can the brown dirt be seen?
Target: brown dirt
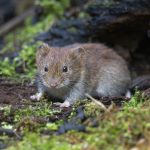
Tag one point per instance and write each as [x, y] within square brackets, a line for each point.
[13, 93]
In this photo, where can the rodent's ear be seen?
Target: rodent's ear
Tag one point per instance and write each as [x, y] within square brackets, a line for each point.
[43, 50]
[79, 51]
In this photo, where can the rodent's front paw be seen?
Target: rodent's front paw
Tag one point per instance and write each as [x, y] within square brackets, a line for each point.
[65, 104]
[37, 96]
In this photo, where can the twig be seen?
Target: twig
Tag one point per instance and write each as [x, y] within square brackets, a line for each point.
[15, 22]
[8, 132]
[97, 102]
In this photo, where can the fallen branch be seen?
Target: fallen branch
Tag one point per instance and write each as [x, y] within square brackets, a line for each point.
[97, 102]
[15, 22]
[8, 132]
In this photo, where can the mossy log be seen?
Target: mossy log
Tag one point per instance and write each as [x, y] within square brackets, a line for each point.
[120, 22]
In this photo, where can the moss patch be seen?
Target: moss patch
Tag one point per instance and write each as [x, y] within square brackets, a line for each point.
[117, 128]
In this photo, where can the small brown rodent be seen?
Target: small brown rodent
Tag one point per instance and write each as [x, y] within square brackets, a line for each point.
[69, 72]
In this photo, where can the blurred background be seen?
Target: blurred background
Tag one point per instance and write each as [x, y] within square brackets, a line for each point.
[24, 24]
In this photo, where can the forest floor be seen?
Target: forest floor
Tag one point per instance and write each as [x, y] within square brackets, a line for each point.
[40, 125]
[12, 92]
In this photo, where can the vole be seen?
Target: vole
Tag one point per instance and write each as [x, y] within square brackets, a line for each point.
[69, 72]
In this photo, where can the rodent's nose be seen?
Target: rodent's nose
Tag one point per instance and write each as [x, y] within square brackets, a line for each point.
[53, 84]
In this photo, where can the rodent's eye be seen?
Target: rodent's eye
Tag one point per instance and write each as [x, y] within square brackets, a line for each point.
[46, 69]
[65, 68]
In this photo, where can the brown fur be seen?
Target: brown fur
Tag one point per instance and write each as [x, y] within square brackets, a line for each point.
[99, 70]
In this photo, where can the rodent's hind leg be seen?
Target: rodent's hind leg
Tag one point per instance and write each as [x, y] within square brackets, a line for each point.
[108, 88]
[64, 104]
[37, 96]
[128, 94]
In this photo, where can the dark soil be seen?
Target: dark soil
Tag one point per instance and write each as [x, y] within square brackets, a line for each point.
[13, 93]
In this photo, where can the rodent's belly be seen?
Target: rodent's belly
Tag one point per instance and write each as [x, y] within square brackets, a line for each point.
[58, 93]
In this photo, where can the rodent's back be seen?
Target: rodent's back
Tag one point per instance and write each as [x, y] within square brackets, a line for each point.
[106, 69]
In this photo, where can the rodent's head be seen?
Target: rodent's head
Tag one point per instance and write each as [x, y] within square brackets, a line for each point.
[59, 67]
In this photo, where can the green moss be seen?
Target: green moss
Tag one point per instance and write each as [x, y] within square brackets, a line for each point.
[7, 68]
[41, 109]
[92, 109]
[116, 129]
[57, 7]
